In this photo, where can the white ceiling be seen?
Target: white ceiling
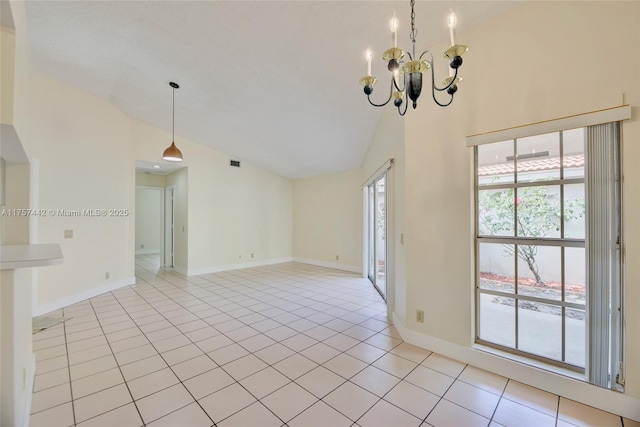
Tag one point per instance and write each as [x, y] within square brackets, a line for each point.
[274, 83]
[158, 168]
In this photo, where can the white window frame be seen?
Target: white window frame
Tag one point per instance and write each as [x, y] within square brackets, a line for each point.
[613, 366]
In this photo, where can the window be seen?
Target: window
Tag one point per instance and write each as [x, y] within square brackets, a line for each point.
[548, 239]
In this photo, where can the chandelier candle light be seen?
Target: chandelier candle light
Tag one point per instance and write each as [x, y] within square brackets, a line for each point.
[410, 73]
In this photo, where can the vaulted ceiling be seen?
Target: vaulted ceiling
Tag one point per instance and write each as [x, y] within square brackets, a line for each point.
[274, 83]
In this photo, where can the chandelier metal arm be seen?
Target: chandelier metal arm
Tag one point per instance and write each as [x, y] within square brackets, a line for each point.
[395, 83]
[388, 99]
[433, 89]
[406, 106]
[439, 89]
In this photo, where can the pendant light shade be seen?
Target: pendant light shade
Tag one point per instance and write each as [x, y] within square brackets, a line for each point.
[173, 154]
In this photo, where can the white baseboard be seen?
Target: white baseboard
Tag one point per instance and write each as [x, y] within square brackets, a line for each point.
[180, 270]
[147, 251]
[89, 293]
[570, 388]
[227, 267]
[31, 376]
[326, 264]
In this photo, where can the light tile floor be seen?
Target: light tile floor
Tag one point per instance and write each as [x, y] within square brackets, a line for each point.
[287, 344]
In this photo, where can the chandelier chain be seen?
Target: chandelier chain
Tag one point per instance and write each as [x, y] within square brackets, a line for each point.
[414, 30]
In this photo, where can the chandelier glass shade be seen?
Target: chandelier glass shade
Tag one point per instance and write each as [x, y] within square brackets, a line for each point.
[408, 69]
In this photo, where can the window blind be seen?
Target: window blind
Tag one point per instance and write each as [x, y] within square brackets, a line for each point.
[603, 255]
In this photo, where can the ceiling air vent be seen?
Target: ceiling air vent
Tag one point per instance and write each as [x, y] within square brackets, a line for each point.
[234, 163]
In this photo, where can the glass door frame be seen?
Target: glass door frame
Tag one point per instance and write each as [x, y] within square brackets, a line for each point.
[373, 232]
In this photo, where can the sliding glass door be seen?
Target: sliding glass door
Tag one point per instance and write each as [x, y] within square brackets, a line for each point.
[377, 233]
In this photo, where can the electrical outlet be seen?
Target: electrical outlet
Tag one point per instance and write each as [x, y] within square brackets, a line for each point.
[337, 257]
[420, 316]
[107, 275]
[68, 234]
[251, 254]
[142, 246]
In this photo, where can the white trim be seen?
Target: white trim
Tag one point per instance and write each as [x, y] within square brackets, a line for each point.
[553, 382]
[335, 266]
[81, 296]
[163, 255]
[365, 232]
[381, 170]
[147, 251]
[180, 270]
[577, 121]
[31, 377]
[227, 267]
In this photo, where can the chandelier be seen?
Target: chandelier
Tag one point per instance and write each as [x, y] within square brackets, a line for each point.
[406, 77]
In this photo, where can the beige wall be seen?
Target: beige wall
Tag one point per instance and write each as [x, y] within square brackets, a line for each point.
[233, 212]
[22, 76]
[149, 224]
[7, 44]
[227, 213]
[517, 73]
[327, 220]
[82, 143]
[15, 228]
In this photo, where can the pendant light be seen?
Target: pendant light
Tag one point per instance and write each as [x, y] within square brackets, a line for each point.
[172, 153]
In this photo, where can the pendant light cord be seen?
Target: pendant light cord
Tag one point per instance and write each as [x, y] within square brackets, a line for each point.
[173, 115]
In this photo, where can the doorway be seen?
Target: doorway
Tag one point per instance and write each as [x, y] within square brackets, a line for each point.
[149, 223]
[377, 234]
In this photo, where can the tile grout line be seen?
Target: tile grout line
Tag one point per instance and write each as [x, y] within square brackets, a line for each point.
[235, 300]
[119, 369]
[66, 346]
[219, 366]
[499, 400]
[269, 365]
[295, 352]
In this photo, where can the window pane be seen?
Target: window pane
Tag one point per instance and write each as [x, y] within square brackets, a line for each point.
[574, 212]
[573, 153]
[574, 275]
[495, 212]
[540, 329]
[538, 157]
[539, 211]
[493, 166]
[497, 267]
[381, 235]
[540, 271]
[371, 231]
[497, 320]
[574, 336]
